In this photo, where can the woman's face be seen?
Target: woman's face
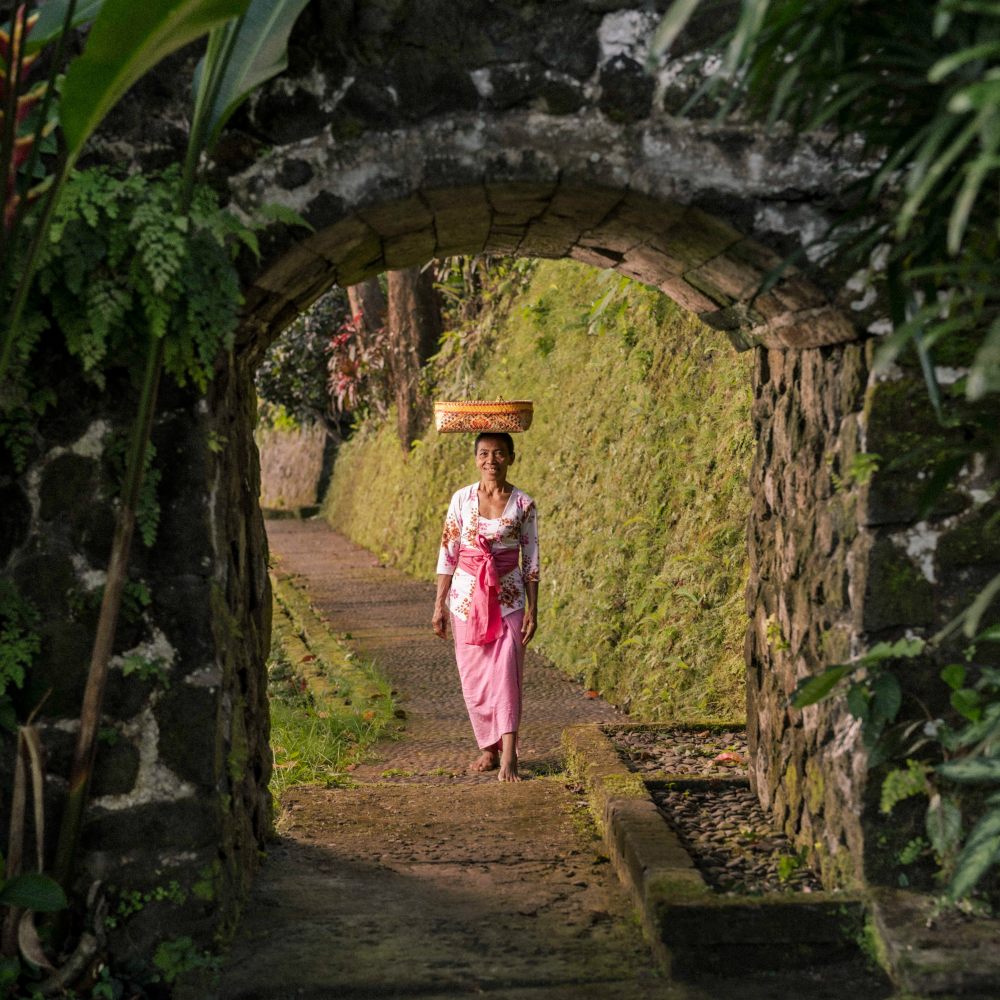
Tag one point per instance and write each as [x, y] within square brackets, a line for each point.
[493, 459]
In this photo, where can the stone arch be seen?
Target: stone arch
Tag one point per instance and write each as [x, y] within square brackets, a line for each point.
[672, 208]
[403, 130]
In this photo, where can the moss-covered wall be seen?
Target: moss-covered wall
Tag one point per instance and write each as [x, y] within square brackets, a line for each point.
[180, 807]
[638, 458]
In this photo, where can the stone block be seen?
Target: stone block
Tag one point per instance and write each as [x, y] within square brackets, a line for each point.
[809, 328]
[647, 264]
[184, 824]
[188, 720]
[409, 249]
[347, 239]
[697, 237]
[897, 594]
[115, 770]
[397, 218]
[584, 207]
[504, 239]
[686, 296]
[291, 271]
[726, 279]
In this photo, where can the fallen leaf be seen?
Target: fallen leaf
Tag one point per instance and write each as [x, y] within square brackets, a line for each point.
[29, 943]
[308, 658]
[702, 734]
[728, 759]
[368, 716]
[592, 694]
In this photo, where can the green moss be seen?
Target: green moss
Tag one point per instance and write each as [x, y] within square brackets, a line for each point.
[814, 787]
[638, 457]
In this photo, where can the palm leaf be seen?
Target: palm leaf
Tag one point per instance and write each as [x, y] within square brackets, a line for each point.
[126, 41]
[258, 52]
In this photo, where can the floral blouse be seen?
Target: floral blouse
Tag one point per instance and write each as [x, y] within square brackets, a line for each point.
[517, 526]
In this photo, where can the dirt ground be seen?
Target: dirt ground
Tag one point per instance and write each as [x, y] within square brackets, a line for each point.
[426, 881]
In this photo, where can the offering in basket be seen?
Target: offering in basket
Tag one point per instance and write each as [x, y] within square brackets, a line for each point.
[500, 416]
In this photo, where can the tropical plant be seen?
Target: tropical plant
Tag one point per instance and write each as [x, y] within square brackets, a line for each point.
[170, 227]
[916, 89]
[292, 377]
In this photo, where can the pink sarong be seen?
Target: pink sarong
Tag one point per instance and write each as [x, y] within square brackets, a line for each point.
[487, 567]
[491, 679]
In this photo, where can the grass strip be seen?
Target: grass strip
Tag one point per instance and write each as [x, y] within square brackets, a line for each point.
[328, 706]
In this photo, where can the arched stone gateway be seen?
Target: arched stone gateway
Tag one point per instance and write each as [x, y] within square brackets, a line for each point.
[404, 131]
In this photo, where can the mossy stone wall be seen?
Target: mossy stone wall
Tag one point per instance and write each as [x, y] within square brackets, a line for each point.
[180, 807]
[638, 458]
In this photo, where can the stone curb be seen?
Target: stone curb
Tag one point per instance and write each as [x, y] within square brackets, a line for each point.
[690, 928]
[312, 648]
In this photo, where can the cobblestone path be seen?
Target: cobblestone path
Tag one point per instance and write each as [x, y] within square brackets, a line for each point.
[426, 881]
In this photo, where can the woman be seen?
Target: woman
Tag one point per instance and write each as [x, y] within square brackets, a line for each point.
[493, 602]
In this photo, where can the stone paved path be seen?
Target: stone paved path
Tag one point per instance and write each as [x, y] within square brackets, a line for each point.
[426, 881]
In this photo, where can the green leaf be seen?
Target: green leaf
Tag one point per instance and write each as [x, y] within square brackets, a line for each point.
[901, 649]
[944, 824]
[903, 783]
[967, 703]
[953, 675]
[943, 67]
[858, 701]
[980, 853]
[887, 696]
[978, 607]
[813, 689]
[51, 16]
[971, 769]
[673, 23]
[126, 41]
[33, 891]
[259, 51]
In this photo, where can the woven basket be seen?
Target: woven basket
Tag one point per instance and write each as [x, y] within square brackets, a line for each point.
[477, 415]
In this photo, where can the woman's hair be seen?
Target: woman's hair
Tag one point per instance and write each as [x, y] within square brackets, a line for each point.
[506, 438]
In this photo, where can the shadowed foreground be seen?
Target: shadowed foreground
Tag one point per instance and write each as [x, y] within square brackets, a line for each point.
[431, 882]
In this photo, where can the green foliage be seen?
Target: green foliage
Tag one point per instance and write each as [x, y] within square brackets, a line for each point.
[916, 84]
[638, 457]
[123, 266]
[259, 43]
[961, 751]
[317, 744]
[31, 891]
[125, 42]
[19, 644]
[177, 956]
[146, 669]
[292, 378]
[902, 783]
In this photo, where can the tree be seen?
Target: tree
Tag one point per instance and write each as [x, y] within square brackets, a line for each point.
[414, 322]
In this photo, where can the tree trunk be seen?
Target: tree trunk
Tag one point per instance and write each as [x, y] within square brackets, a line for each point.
[368, 305]
[414, 321]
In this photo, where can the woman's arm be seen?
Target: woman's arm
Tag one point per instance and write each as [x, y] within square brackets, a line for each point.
[530, 611]
[439, 622]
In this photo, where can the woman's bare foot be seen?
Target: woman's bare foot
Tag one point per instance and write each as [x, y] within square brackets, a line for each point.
[508, 768]
[488, 760]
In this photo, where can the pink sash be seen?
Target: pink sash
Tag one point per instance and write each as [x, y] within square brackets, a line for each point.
[485, 621]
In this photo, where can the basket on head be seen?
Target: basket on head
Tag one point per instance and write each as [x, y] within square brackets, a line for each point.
[500, 416]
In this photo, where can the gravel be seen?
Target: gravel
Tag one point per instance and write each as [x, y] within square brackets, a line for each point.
[676, 750]
[720, 823]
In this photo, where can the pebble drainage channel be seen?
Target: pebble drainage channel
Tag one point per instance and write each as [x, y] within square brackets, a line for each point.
[714, 813]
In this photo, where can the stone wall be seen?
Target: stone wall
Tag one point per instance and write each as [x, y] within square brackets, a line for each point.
[839, 561]
[293, 466]
[180, 805]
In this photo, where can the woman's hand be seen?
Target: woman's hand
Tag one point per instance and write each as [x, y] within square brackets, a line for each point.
[439, 621]
[528, 626]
